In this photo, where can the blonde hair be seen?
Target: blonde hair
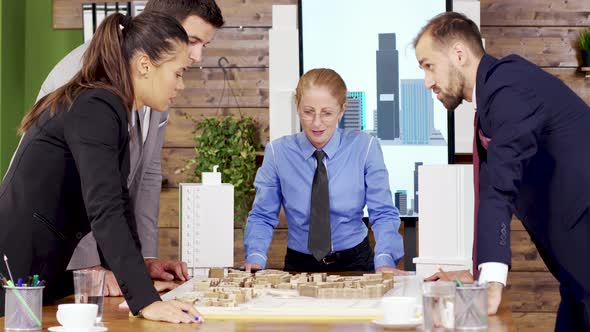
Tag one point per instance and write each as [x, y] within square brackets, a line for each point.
[322, 77]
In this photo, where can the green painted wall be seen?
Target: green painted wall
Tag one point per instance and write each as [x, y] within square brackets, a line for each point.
[30, 49]
[44, 46]
[12, 79]
[1, 78]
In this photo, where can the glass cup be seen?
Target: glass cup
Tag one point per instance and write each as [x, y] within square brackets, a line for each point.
[89, 288]
[410, 286]
[471, 307]
[23, 308]
[438, 303]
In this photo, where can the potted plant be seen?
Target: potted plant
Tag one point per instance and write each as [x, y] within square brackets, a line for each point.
[232, 144]
[584, 42]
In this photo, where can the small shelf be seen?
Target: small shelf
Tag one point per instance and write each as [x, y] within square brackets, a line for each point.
[586, 71]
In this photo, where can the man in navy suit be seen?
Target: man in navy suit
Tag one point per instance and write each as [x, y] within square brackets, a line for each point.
[531, 133]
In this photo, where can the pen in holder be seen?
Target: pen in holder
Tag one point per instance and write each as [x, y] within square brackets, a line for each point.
[23, 308]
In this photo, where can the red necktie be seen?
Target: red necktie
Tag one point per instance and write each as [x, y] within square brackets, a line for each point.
[476, 192]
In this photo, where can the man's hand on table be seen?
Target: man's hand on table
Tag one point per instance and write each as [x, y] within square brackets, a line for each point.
[494, 297]
[395, 271]
[464, 276]
[163, 286]
[167, 269]
[250, 267]
[494, 288]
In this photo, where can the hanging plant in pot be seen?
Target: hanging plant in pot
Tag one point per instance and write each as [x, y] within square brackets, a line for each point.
[584, 43]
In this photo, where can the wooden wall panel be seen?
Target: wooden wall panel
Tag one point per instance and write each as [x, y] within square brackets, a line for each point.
[533, 292]
[246, 47]
[525, 257]
[183, 121]
[252, 13]
[535, 13]
[169, 210]
[168, 246]
[207, 88]
[516, 225]
[168, 241]
[544, 46]
[67, 14]
[174, 159]
[534, 321]
[574, 79]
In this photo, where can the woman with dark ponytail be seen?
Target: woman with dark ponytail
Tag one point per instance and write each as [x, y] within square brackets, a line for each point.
[69, 173]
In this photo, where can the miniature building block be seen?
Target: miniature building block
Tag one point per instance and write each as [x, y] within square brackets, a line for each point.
[305, 290]
[216, 272]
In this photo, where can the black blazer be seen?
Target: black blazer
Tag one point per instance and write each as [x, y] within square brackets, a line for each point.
[537, 165]
[69, 175]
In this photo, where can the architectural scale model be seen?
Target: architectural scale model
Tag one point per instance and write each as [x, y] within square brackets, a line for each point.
[240, 287]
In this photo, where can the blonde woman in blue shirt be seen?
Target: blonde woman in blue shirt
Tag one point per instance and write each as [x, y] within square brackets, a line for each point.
[323, 177]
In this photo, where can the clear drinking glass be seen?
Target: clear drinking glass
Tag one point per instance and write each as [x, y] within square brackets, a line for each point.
[438, 303]
[89, 288]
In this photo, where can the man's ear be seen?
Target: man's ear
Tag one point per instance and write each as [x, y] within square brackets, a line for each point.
[460, 54]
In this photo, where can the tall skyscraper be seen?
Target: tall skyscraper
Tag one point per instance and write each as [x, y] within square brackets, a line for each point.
[416, 165]
[401, 201]
[417, 112]
[352, 115]
[387, 61]
[360, 95]
[375, 120]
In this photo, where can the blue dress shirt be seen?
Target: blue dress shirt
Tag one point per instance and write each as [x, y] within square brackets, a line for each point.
[357, 177]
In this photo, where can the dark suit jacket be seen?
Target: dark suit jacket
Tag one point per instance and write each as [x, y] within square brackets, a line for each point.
[68, 176]
[537, 165]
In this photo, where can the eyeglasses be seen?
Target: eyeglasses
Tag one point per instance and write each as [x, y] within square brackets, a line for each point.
[325, 116]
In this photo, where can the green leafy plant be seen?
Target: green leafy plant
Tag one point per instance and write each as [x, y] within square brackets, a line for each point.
[584, 40]
[232, 144]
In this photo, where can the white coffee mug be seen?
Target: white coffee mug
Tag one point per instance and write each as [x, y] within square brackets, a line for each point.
[400, 309]
[77, 315]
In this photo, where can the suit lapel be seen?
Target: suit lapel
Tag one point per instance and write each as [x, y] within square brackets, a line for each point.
[147, 147]
[484, 68]
[135, 148]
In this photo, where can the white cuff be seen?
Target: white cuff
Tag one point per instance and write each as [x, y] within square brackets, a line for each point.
[493, 272]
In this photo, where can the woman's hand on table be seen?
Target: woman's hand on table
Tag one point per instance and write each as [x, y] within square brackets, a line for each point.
[172, 312]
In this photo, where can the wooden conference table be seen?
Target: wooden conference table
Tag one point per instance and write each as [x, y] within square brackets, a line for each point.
[119, 320]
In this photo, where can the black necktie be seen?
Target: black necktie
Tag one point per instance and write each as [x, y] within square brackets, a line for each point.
[320, 236]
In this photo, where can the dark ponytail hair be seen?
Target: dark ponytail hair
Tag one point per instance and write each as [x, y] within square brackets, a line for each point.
[105, 64]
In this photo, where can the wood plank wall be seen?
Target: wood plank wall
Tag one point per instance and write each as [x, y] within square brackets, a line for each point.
[246, 48]
[544, 32]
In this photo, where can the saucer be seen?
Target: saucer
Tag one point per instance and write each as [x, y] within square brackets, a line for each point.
[90, 329]
[401, 325]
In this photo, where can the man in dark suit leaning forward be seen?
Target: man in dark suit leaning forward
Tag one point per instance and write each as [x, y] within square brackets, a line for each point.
[530, 159]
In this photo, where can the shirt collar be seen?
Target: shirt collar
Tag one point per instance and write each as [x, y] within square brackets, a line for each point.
[473, 101]
[330, 149]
